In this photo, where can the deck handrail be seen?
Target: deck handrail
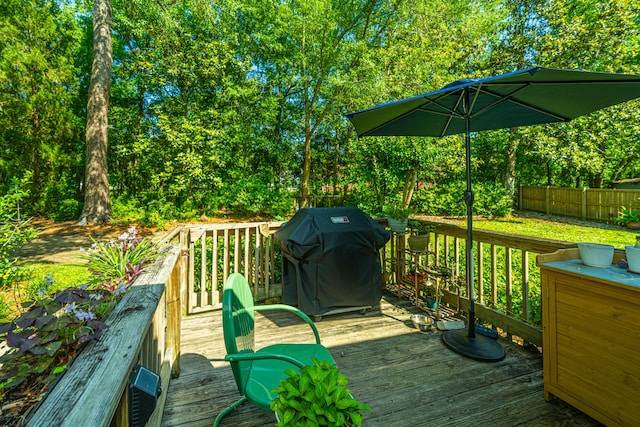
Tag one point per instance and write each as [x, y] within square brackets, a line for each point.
[143, 329]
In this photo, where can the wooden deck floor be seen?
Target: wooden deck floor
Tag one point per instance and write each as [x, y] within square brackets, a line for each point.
[409, 378]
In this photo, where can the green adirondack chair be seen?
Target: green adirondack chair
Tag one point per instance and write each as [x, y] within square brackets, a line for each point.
[258, 372]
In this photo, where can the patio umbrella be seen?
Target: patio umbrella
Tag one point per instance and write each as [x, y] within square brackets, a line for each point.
[521, 98]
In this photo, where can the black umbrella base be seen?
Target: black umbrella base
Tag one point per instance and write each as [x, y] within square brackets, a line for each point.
[479, 347]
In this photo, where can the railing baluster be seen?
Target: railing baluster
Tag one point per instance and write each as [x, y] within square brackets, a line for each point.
[204, 294]
[269, 265]
[525, 284]
[248, 271]
[257, 277]
[214, 268]
[494, 276]
[193, 298]
[236, 250]
[226, 262]
[480, 274]
[509, 287]
[456, 257]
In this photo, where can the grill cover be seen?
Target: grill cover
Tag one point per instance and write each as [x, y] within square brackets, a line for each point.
[331, 259]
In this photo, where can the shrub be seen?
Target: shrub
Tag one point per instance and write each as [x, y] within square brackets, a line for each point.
[67, 209]
[255, 196]
[14, 231]
[127, 209]
[490, 199]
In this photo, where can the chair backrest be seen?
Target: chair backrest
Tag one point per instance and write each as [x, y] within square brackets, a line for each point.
[238, 325]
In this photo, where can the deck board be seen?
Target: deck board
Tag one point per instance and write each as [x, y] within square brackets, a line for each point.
[409, 378]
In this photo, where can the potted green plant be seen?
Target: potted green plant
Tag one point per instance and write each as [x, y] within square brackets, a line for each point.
[420, 232]
[432, 298]
[397, 217]
[317, 396]
[629, 217]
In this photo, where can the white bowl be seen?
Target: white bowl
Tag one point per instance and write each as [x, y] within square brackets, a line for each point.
[633, 258]
[596, 254]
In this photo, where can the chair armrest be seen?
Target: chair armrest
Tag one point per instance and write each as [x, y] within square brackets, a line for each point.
[291, 309]
[239, 357]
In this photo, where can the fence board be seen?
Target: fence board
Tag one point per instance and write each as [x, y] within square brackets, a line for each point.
[593, 204]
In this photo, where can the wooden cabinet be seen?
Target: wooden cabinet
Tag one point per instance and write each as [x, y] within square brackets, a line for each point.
[591, 337]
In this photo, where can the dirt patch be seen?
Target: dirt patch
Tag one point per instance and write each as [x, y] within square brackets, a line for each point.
[61, 242]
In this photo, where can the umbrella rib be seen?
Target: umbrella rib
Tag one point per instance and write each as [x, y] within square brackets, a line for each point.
[450, 113]
[420, 107]
[454, 112]
[510, 98]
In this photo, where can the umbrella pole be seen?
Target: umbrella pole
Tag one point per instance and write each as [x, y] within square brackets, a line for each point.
[469, 344]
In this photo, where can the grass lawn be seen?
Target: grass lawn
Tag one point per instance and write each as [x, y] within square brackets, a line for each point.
[557, 228]
[65, 275]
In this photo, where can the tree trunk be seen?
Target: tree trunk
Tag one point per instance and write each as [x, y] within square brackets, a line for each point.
[97, 204]
[306, 172]
[510, 171]
[597, 180]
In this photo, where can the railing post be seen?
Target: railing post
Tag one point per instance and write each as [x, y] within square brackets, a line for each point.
[174, 317]
[184, 269]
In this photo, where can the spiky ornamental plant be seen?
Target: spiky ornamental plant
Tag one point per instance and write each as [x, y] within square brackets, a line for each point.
[120, 260]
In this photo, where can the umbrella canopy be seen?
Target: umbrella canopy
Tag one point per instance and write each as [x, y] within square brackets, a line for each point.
[522, 98]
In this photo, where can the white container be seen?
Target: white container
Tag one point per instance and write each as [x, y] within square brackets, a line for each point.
[633, 258]
[596, 254]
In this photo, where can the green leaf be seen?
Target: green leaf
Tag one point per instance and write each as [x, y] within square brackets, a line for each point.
[356, 418]
[288, 416]
[293, 391]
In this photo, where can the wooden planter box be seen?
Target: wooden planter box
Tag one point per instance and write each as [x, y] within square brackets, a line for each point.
[591, 337]
[144, 329]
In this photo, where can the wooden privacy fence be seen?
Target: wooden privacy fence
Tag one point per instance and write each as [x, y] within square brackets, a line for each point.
[144, 329]
[507, 280]
[594, 204]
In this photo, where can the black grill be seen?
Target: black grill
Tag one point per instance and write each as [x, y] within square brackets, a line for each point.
[331, 260]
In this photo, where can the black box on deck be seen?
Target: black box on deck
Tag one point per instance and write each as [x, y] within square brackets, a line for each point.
[331, 260]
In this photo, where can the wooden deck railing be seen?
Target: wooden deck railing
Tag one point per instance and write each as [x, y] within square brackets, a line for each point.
[507, 280]
[217, 250]
[144, 329]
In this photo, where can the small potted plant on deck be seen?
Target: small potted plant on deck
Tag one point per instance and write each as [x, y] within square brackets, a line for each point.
[317, 396]
[629, 217]
[420, 232]
[397, 217]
